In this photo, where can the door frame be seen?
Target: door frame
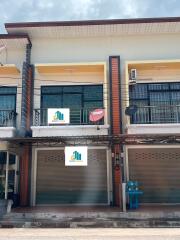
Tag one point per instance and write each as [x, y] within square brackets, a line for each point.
[34, 172]
[143, 146]
[16, 170]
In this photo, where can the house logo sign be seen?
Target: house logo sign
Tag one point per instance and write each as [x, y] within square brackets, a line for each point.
[58, 116]
[76, 156]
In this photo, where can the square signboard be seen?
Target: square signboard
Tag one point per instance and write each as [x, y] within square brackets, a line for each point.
[76, 156]
[58, 116]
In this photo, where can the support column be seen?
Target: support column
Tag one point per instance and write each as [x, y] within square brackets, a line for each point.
[16, 177]
[7, 175]
[27, 90]
[24, 176]
[25, 130]
[116, 127]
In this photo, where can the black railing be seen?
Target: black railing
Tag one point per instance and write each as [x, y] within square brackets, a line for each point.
[7, 118]
[156, 114]
[77, 117]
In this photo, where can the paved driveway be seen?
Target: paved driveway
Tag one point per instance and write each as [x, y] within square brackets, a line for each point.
[90, 234]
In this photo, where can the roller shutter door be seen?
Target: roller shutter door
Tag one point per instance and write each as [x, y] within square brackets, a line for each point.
[59, 184]
[158, 172]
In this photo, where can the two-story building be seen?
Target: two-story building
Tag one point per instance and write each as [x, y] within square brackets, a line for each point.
[153, 99]
[12, 56]
[105, 88]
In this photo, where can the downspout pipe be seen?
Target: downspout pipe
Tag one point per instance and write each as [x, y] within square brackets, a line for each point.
[24, 101]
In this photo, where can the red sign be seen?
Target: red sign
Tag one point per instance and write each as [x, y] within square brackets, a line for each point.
[96, 115]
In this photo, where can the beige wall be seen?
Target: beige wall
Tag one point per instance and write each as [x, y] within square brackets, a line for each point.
[152, 47]
[72, 78]
[14, 81]
[64, 79]
[159, 75]
[76, 50]
[162, 46]
[14, 56]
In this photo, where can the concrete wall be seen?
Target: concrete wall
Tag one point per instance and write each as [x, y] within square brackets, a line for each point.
[98, 49]
[74, 50]
[63, 79]
[64, 131]
[14, 56]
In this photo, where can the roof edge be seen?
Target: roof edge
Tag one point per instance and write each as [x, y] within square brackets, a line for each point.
[92, 22]
[15, 36]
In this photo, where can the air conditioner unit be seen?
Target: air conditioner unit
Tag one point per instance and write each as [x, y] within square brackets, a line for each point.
[133, 76]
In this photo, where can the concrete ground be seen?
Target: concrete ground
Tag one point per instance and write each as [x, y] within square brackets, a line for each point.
[105, 209]
[92, 217]
[90, 234]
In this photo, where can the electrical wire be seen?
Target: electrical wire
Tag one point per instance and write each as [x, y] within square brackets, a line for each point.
[123, 86]
[75, 82]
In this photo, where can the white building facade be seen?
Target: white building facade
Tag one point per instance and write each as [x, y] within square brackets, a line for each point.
[72, 67]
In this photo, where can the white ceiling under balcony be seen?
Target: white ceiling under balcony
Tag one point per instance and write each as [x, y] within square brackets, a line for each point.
[70, 68]
[9, 69]
[13, 43]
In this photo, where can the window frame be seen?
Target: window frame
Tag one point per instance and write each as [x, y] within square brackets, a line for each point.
[78, 92]
[170, 90]
[10, 94]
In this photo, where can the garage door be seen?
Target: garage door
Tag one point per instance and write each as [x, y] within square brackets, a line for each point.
[158, 172]
[59, 184]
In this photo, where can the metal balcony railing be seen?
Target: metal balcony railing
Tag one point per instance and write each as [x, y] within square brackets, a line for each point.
[156, 114]
[77, 117]
[7, 118]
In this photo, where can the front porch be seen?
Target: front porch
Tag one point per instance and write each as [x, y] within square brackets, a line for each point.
[107, 210]
[93, 217]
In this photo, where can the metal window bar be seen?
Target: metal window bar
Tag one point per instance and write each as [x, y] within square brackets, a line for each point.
[156, 114]
[7, 118]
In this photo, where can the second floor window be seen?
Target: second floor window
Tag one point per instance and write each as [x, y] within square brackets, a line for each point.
[7, 106]
[80, 99]
[156, 102]
[8, 98]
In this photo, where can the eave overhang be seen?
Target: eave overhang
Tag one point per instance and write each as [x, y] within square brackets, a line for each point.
[127, 139]
[14, 40]
[96, 28]
[91, 22]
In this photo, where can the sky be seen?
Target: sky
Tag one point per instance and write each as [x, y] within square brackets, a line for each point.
[57, 10]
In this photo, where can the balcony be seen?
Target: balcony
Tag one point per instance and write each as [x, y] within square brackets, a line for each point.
[7, 123]
[79, 124]
[156, 114]
[155, 119]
